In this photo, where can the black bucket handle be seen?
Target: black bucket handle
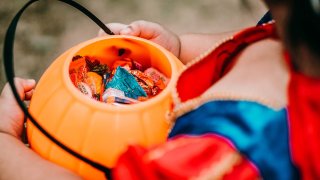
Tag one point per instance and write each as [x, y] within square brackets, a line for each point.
[9, 70]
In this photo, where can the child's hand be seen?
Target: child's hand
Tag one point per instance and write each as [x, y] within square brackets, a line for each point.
[148, 30]
[11, 116]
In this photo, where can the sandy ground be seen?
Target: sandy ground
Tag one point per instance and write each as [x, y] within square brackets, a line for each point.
[49, 27]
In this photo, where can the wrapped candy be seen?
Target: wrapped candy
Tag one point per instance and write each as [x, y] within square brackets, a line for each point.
[78, 70]
[125, 63]
[137, 65]
[91, 63]
[127, 84]
[141, 99]
[96, 66]
[73, 77]
[112, 92]
[155, 90]
[94, 81]
[77, 62]
[160, 84]
[105, 79]
[101, 69]
[145, 87]
[143, 77]
[156, 76]
[85, 89]
[120, 100]
[124, 81]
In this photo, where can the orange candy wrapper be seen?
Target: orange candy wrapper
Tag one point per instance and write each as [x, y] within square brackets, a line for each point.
[140, 75]
[126, 63]
[94, 80]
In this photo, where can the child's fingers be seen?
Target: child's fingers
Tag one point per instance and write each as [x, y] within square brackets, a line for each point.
[28, 95]
[22, 86]
[25, 84]
[143, 29]
[114, 27]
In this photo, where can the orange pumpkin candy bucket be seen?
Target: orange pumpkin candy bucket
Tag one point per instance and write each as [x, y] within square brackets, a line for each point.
[85, 136]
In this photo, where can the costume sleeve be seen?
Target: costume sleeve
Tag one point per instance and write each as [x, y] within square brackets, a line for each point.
[185, 157]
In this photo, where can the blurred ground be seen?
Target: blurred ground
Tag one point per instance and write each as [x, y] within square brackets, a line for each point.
[49, 27]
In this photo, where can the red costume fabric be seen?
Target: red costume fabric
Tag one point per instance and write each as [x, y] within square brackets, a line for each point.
[203, 157]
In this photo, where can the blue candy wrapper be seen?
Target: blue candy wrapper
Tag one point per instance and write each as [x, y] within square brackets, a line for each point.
[124, 81]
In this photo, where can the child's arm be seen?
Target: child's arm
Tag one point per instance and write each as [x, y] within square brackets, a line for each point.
[192, 45]
[19, 162]
[185, 47]
[16, 160]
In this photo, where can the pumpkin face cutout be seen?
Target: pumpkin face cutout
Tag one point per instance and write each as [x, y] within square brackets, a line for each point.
[99, 131]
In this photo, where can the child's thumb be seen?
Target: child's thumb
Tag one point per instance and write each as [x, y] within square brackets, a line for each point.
[127, 31]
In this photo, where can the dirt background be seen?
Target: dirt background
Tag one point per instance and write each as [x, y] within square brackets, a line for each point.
[48, 28]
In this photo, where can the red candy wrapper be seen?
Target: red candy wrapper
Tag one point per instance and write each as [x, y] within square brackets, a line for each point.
[126, 63]
[74, 79]
[78, 69]
[137, 65]
[155, 90]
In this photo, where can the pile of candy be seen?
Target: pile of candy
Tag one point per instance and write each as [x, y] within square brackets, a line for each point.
[125, 82]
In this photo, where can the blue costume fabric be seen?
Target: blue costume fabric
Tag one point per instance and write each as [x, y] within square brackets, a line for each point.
[262, 139]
